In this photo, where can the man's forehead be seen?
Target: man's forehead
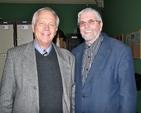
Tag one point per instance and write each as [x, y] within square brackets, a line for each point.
[87, 16]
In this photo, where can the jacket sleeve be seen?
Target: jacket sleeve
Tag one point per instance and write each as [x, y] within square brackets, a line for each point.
[7, 86]
[126, 79]
[73, 87]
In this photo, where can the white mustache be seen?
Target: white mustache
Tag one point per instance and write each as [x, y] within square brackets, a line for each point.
[87, 30]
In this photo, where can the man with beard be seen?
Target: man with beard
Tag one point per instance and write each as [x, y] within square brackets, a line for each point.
[104, 71]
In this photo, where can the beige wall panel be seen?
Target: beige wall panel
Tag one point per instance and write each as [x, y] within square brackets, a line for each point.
[6, 37]
[24, 34]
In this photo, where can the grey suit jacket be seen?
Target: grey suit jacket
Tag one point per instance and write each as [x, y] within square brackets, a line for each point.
[19, 91]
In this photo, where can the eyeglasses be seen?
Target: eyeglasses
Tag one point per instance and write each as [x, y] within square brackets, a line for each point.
[90, 22]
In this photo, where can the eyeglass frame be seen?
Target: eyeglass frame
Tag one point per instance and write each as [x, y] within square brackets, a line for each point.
[90, 22]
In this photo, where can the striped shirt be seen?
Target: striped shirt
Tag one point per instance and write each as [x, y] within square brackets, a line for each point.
[88, 57]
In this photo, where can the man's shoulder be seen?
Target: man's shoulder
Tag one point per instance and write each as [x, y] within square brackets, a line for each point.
[116, 42]
[21, 48]
[63, 51]
[113, 41]
[78, 48]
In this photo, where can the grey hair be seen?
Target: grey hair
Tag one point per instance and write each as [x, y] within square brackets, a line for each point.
[45, 9]
[96, 13]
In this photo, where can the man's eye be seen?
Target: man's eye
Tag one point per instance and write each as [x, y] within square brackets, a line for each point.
[91, 21]
[82, 23]
[51, 24]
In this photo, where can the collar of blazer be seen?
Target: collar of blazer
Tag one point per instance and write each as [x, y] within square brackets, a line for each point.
[101, 55]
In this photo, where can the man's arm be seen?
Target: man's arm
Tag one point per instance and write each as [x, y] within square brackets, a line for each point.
[7, 86]
[126, 79]
[73, 87]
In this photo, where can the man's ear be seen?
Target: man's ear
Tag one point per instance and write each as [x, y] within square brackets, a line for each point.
[56, 30]
[101, 25]
[33, 28]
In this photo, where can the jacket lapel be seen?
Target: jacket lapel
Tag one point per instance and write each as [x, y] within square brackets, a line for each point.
[101, 55]
[29, 63]
[66, 77]
[30, 75]
[64, 67]
[78, 69]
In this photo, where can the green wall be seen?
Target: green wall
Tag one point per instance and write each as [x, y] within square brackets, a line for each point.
[121, 17]
[66, 12]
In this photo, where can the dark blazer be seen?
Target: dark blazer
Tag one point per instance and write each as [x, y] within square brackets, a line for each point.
[19, 91]
[110, 85]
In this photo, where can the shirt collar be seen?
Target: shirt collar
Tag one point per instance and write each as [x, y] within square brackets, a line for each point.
[94, 43]
[40, 50]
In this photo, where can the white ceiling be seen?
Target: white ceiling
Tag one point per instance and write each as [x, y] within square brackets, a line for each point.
[100, 3]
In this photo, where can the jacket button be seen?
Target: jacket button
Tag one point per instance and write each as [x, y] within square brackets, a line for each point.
[34, 87]
[83, 96]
